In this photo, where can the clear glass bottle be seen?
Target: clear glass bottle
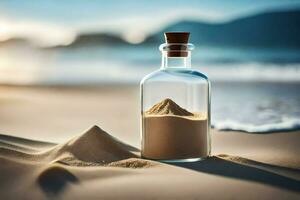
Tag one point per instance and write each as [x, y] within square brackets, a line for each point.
[175, 106]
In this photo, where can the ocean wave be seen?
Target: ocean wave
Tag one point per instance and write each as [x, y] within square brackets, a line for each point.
[55, 67]
[253, 72]
[287, 124]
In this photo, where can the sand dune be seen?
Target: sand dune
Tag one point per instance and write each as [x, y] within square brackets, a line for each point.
[95, 147]
[92, 148]
[95, 165]
[49, 167]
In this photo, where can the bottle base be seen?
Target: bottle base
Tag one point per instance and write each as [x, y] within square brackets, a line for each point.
[178, 160]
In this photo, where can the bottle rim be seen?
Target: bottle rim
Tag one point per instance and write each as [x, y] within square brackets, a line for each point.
[176, 47]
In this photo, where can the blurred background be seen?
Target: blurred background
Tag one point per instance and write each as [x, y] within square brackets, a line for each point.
[65, 65]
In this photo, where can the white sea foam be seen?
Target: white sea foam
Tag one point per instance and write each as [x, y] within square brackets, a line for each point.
[253, 72]
[286, 124]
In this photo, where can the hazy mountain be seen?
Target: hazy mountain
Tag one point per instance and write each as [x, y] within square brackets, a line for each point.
[83, 40]
[96, 39]
[272, 29]
[15, 42]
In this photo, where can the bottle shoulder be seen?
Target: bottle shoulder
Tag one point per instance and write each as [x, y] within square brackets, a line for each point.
[188, 75]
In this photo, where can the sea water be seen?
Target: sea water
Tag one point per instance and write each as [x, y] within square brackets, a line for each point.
[253, 90]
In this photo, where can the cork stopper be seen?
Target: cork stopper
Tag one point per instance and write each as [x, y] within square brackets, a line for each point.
[179, 40]
[177, 37]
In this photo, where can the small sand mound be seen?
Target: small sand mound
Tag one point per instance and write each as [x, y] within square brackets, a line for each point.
[235, 159]
[166, 107]
[132, 163]
[94, 146]
[54, 179]
[72, 161]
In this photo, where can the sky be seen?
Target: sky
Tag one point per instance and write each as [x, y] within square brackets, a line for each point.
[53, 22]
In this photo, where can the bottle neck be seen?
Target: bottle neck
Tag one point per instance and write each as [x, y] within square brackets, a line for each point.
[175, 62]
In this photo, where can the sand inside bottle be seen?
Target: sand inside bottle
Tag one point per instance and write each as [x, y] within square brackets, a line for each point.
[171, 133]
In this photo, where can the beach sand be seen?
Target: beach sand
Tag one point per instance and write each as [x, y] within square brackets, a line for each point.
[84, 161]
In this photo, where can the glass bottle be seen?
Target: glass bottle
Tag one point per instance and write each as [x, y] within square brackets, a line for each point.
[175, 106]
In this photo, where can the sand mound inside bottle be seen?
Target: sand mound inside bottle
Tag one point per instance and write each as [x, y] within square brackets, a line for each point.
[93, 148]
[168, 107]
[172, 132]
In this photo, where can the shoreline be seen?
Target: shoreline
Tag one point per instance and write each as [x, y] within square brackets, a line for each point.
[66, 110]
[135, 84]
